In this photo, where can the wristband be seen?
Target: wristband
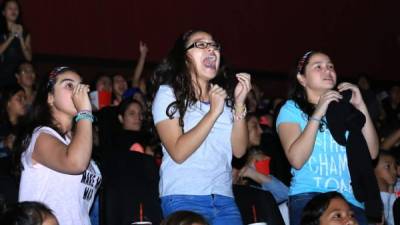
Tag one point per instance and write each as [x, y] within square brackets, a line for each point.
[84, 115]
[315, 119]
[239, 112]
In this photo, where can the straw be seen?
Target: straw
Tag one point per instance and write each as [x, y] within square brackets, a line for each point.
[254, 214]
[141, 212]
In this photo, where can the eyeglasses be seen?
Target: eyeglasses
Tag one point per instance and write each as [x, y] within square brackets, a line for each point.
[204, 45]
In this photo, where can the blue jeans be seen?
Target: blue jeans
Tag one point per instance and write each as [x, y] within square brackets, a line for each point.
[278, 189]
[299, 201]
[216, 209]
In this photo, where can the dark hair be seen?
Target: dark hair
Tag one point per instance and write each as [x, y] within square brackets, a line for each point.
[124, 105]
[25, 213]
[184, 218]
[383, 152]
[19, 68]
[6, 95]
[317, 206]
[297, 92]
[174, 71]
[3, 20]
[40, 113]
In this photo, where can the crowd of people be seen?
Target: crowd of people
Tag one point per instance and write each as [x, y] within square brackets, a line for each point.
[199, 144]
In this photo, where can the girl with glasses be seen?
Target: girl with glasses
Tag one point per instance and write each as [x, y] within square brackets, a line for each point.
[199, 115]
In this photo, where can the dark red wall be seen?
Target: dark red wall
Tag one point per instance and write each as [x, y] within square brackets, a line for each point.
[360, 35]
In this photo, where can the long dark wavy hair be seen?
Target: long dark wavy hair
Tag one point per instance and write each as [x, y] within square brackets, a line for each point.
[317, 206]
[297, 92]
[40, 114]
[174, 71]
[3, 21]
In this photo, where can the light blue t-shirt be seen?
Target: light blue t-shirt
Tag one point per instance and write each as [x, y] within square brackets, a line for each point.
[208, 170]
[326, 169]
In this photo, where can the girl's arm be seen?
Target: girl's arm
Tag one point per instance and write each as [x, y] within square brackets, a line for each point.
[73, 158]
[297, 144]
[181, 145]
[240, 136]
[26, 47]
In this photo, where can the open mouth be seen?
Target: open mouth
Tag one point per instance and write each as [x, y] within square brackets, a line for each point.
[210, 61]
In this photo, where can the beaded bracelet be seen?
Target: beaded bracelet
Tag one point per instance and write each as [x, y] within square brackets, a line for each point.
[84, 115]
[239, 112]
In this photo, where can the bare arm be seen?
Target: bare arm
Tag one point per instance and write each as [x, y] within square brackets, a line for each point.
[4, 45]
[26, 47]
[140, 65]
[74, 158]
[297, 144]
[240, 136]
[181, 145]
[71, 159]
[391, 140]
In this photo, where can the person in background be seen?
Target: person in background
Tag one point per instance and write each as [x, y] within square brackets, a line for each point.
[386, 175]
[28, 213]
[26, 78]
[329, 208]
[15, 41]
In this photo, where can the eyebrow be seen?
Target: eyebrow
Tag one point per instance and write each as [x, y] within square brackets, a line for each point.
[68, 79]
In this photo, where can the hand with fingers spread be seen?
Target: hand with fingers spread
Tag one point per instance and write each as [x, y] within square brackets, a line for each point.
[80, 97]
[323, 102]
[242, 88]
[217, 96]
[143, 49]
[356, 97]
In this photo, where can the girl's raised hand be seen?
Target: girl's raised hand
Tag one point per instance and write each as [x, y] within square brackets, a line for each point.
[80, 97]
[242, 88]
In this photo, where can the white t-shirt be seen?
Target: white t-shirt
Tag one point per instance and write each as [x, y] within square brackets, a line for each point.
[208, 170]
[68, 196]
[388, 201]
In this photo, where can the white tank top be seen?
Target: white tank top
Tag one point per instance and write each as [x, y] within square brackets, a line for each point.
[68, 196]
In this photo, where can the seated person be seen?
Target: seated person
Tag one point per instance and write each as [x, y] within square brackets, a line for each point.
[185, 218]
[385, 172]
[326, 209]
[28, 213]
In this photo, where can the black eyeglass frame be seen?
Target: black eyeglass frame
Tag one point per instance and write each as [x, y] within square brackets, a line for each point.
[198, 44]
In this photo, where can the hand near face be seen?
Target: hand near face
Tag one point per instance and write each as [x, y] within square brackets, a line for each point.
[80, 97]
[242, 88]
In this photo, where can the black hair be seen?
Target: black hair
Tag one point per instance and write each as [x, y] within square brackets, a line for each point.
[174, 71]
[25, 213]
[124, 105]
[19, 68]
[3, 21]
[184, 218]
[381, 153]
[7, 93]
[316, 207]
[297, 93]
